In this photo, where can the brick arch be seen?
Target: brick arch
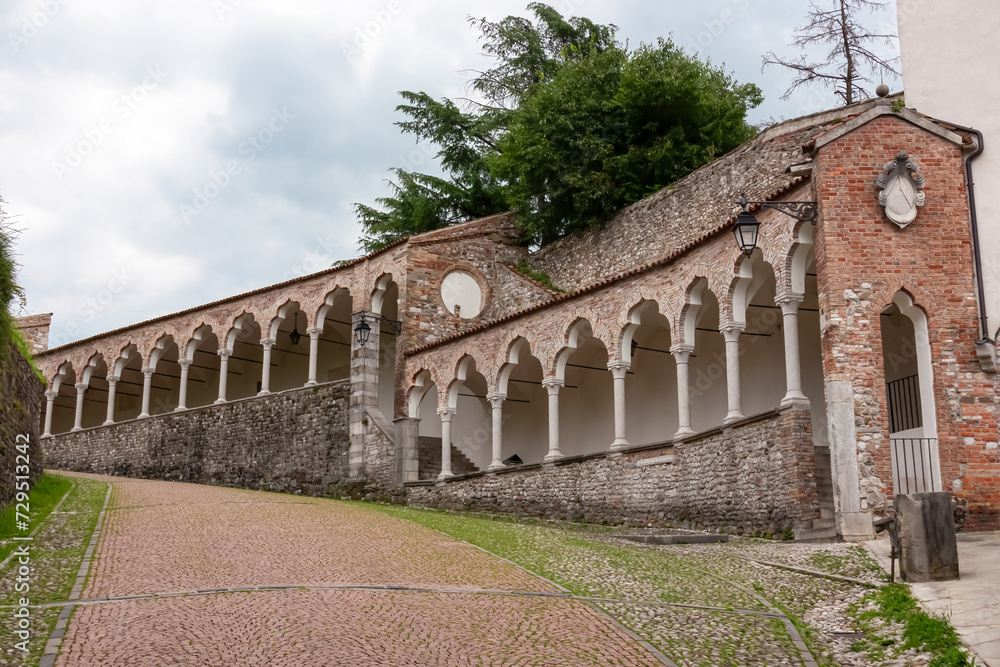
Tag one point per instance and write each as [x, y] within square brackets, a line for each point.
[693, 278]
[483, 367]
[511, 338]
[231, 331]
[432, 374]
[561, 344]
[627, 326]
[327, 300]
[882, 297]
[57, 374]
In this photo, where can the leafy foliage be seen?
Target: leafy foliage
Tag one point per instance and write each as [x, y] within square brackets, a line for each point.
[9, 289]
[568, 126]
[850, 60]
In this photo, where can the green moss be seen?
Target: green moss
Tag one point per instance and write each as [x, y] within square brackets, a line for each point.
[22, 346]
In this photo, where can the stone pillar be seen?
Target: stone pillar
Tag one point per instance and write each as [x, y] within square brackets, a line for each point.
[81, 389]
[147, 389]
[112, 389]
[182, 399]
[313, 354]
[265, 371]
[364, 390]
[223, 375]
[50, 399]
[618, 370]
[731, 332]
[446, 416]
[496, 399]
[853, 523]
[789, 302]
[407, 449]
[682, 355]
[553, 385]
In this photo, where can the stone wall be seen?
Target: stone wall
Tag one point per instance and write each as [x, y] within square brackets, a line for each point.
[35, 329]
[758, 475]
[292, 441]
[21, 394]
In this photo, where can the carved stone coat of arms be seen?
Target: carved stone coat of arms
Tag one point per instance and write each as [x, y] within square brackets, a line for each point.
[901, 184]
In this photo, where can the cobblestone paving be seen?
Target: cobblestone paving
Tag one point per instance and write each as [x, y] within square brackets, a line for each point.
[163, 537]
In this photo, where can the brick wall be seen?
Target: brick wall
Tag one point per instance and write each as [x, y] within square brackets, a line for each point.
[21, 398]
[863, 259]
[293, 441]
[757, 476]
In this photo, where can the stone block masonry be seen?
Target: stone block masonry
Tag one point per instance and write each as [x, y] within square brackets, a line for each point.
[292, 441]
[20, 404]
[758, 475]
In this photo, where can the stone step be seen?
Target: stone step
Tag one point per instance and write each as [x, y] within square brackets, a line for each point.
[824, 523]
[816, 535]
[826, 513]
[430, 459]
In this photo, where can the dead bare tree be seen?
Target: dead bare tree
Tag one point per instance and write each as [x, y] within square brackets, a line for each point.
[850, 60]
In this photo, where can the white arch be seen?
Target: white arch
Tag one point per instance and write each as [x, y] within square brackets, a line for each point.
[801, 257]
[129, 353]
[422, 384]
[580, 330]
[520, 350]
[635, 320]
[378, 296]
[283, 312]
[199, 335]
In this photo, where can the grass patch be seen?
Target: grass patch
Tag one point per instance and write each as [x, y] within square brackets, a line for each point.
[44, 496]
[538, 276]
[922, 631]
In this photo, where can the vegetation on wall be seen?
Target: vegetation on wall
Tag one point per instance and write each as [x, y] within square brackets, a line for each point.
[567, 127]
[9, 289]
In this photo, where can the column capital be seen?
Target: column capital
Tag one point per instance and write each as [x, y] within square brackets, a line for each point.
[51, 395]
[446, 414]
[789, 301]
[267, 343]
[314, 332]
[618, 368]
[553, 385]
[731, 331]
[225, 354]
[496, 398]
[148, 371]
[681, 352]
[81, 387]
[184, 363]
[112, 379]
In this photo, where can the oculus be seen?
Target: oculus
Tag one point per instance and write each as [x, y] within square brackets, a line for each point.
[900, 194]
[462, 295]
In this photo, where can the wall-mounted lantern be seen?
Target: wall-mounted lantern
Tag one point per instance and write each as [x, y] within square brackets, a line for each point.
[747, 226]
[363, 330]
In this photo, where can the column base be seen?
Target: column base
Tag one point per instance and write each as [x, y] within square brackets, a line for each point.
[106, 423]
[263, 392]
[445, 475]
[794, 402]
[180, 408]
[220, 401]
[733, 417]
[143, 416]
[683, 433]
[75, 429]
[495, 466]
[553, 456]
[620, 443]
[311, 383]
[45, 435]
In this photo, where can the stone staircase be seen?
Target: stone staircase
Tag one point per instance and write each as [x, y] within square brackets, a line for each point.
[824, 528]
[430, 459]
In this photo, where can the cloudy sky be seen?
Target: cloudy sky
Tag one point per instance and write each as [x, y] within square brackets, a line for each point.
[162, 154]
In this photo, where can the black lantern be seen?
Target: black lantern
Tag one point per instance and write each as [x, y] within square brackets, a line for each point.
[295, 336]
[361, 332]
[745, 229]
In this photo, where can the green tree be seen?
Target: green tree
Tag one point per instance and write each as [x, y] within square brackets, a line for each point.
[566, 128]
[10, 292]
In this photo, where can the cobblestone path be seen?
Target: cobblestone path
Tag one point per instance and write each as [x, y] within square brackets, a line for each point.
[324, 572]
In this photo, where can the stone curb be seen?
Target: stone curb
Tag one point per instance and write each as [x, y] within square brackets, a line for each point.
[816, 573]
[55, 639]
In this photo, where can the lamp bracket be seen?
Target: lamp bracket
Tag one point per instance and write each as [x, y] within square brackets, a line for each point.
[800, 210]
[393, 325]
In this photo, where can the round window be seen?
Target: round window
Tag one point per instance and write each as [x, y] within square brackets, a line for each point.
[461, 295]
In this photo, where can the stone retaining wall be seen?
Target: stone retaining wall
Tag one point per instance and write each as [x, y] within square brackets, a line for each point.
[21, 394]
[292, 441]
[758, 475]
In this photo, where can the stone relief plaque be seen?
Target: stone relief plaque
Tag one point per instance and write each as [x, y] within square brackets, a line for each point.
[901, 184]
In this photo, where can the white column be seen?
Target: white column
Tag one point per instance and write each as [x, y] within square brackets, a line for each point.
[553, 385]
[731, 332]
[496, 399]
[446, 415]
[618, 370]
[81, 388]
[147, 388]
[313, 354]
[50, 399]
[223, 375]
[682, 355]
[789, 302]
[185, 365]
[112, 389]
[265, 371]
